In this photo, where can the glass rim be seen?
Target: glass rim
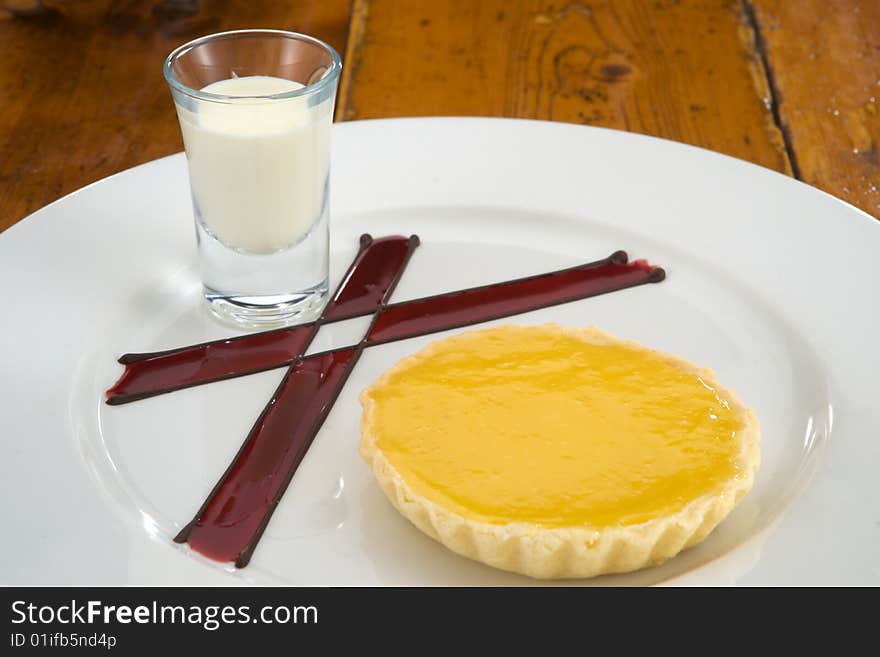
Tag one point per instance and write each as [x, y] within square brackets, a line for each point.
[329, 76]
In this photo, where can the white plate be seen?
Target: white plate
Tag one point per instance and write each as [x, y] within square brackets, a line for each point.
[771, 283]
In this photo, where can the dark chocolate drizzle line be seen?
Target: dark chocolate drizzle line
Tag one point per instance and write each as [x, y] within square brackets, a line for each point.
[363, 287]
[253, 353]
[234, 516]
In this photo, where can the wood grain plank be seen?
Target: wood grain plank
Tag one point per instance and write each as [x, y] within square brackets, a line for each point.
[81, 88]
[824, 59]
[686, 70]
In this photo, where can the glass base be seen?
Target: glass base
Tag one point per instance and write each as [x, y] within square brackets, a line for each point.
[267, 311]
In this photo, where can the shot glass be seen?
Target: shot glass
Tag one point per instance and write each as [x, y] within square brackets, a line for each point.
[255, 110]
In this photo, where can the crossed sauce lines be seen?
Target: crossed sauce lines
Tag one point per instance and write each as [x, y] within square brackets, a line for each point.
[232, 519]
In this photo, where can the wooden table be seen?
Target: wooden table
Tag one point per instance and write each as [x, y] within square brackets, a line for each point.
[788, 84]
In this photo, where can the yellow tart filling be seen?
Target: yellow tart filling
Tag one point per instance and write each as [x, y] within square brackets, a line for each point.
[538, 425]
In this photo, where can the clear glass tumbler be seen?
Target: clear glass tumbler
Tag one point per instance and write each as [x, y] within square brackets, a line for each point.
[255, 109]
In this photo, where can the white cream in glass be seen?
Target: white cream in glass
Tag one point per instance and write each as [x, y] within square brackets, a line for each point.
[256, 129]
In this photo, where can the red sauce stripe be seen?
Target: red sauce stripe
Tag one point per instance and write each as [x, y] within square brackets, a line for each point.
[232, 519]
[482, 304]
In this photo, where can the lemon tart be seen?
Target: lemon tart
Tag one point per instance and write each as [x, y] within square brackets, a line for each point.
[558, 452]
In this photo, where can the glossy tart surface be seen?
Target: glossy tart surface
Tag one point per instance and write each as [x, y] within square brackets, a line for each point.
[550, 428]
